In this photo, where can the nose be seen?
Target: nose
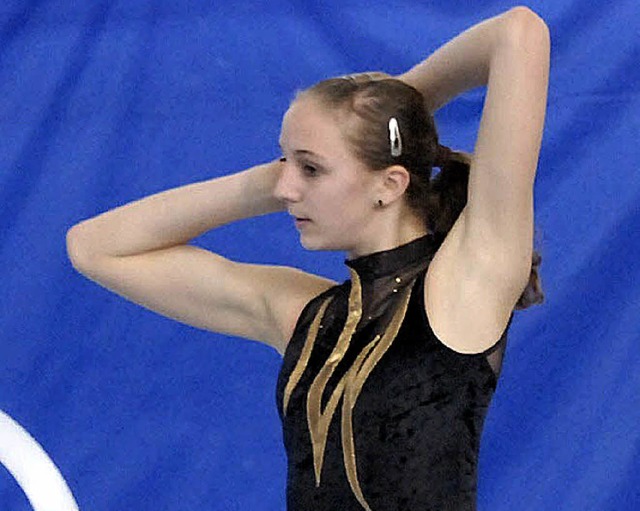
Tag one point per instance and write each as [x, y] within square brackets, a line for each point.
[287, 187]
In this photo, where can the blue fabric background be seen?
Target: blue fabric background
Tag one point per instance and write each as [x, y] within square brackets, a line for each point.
[104, 102]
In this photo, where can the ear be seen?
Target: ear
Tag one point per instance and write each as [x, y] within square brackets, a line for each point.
[394, 182]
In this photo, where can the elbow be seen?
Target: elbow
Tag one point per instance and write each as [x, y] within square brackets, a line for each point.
[525, 16]
[526, 29]
[77, 250]
[73, 246]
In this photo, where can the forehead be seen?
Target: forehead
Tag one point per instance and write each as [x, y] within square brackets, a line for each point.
[307, 124]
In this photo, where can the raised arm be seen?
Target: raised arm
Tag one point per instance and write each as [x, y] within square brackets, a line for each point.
[140, 252]
[464, 62]
[485, 262]
[510, 54]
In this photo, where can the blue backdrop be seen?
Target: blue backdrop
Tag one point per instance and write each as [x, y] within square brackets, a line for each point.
[104, 102]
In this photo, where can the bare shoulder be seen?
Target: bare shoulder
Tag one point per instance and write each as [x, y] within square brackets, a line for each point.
[468, 299]
[286, 291]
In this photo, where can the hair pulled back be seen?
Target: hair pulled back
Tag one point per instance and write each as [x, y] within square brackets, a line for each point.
[367, 101]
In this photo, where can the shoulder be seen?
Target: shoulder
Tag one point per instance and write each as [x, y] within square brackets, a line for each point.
[288, 292]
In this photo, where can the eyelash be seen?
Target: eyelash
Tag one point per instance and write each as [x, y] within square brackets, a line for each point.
[310, 170]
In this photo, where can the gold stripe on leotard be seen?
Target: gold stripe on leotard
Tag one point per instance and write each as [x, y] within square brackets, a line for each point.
[348, 445]
[301, 365]
[317, 419]
[350, 385]
[356, 378]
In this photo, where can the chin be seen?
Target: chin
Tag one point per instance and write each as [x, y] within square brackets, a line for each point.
[320, 245]
[312, 245]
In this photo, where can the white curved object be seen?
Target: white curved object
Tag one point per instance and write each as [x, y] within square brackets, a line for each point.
[32, 468]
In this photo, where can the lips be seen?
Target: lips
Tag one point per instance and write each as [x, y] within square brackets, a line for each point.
[297, 217]
[300, 220]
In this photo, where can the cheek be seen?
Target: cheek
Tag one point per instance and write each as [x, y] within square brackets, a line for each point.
[353, 194]
[349, 213]
[346, 204]
[345, 198]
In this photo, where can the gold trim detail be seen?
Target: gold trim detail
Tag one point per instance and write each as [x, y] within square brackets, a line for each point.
[301, 365]
[350, 385]
[348, 443]
[356, 378]
[317, 419]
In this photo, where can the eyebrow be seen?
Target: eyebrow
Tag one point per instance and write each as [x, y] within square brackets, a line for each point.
[304, 152]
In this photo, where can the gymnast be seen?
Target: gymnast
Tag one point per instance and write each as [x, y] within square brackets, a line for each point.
[386, 378]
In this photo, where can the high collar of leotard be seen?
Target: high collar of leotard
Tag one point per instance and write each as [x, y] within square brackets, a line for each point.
[388, 262]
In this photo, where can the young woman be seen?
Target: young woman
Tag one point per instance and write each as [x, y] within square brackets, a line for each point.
[386, 378]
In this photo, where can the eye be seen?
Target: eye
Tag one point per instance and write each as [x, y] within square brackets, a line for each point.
[283, 159]
[309, 169]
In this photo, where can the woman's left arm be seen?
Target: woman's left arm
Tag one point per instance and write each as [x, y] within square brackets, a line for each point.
[509, 54]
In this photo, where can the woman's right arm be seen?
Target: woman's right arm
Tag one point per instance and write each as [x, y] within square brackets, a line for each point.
[140, 252]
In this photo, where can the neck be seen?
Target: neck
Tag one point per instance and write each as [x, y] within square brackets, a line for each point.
[388, 232]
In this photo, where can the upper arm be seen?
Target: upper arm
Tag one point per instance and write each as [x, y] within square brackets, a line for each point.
[497, 223]
[205, 290]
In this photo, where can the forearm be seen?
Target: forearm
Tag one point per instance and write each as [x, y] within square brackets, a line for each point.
[465, 62]
[175, 216]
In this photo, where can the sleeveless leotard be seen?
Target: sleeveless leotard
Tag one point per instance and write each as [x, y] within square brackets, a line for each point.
[377, 413]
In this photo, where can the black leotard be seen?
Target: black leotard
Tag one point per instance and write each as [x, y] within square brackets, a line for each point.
[377, 413]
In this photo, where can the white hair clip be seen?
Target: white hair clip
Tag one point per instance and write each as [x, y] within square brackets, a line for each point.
[394, 137]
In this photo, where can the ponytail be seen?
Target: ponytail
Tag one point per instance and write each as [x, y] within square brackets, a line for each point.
[447, 198]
